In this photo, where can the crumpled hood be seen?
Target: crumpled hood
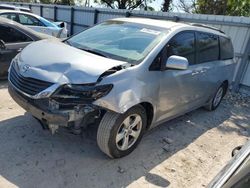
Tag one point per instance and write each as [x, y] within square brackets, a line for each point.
[53, 61]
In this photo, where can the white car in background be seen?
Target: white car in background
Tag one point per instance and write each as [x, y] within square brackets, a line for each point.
[36, 23]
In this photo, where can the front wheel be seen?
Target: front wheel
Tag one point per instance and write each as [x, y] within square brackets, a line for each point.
[119, 134]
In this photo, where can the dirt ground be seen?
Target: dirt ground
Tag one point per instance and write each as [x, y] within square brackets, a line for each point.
[185, 152]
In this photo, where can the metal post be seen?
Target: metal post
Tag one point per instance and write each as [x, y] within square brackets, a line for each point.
[96, 16]
[55, 13]
[242, 67]
[41, 10]
[72, 20]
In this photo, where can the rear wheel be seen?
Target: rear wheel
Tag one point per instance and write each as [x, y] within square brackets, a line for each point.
[119, 134]
[218, 96]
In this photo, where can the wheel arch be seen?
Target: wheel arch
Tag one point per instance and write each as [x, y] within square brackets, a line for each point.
[149, 108]
[226, 85]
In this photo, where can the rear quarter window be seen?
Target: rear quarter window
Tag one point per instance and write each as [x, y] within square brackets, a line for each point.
[226, 48]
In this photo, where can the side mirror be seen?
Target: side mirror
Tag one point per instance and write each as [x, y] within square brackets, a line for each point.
[177, 62]
[2, 45]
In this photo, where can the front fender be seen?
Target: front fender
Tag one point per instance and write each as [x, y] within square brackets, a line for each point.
[125, 95]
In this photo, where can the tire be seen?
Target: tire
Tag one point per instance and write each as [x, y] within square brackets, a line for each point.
[217, 98]
[115, 129]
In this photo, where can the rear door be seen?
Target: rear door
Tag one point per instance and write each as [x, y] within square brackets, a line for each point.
[14, 41]
[208, 55]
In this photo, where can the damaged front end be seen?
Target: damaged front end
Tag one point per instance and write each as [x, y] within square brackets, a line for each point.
[66, 105]
[57, 113]
[60, 89]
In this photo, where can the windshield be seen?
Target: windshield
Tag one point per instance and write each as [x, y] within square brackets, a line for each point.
[47, 23]
[119, 40]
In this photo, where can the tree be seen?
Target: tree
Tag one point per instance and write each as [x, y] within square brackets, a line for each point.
[216, 7]
[59, 2]
[124, 4]
[166, 5]
[188, 7]
[238, 8]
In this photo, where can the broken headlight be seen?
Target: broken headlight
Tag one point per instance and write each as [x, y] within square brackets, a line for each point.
[82, 92]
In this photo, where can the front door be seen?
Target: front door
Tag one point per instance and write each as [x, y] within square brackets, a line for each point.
[14, 41]
[180, 90]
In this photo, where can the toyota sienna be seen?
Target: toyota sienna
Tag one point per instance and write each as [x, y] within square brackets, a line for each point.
[127, 75]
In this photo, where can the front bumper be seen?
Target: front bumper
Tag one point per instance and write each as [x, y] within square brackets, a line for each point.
[60, 117]
[49, 117]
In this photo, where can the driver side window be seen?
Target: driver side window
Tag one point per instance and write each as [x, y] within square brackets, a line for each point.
[29, 20]
[182, 44]
[11, 35]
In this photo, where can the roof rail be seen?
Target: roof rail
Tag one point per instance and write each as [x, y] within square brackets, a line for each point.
[206, 26]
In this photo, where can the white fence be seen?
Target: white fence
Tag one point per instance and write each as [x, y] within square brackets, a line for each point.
[238, 28]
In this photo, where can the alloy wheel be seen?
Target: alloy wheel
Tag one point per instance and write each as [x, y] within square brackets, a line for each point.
[128, 132]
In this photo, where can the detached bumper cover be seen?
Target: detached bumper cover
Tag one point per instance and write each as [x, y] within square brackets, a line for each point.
[58, 118]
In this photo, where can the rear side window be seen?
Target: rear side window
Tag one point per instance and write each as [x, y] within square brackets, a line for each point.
[226, 48]
[183, 44]
[11, 35]
[208, 47]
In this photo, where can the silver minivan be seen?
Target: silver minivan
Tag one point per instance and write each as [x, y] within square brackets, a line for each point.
[125, 75]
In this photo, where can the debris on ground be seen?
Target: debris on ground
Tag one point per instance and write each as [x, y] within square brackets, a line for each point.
[238, 99]
[120, 170]
[60, 162]
[166, 148]
[167, 140]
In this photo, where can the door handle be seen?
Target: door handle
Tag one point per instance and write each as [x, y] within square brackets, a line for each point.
[199, 71]
[203, 70]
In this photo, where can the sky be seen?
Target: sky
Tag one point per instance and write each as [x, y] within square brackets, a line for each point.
[156, 4]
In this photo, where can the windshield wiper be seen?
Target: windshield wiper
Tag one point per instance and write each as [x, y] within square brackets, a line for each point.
[93, 52]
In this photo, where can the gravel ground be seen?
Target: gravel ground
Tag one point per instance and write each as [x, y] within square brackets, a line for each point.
[185, 152]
